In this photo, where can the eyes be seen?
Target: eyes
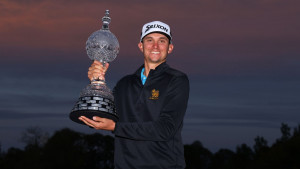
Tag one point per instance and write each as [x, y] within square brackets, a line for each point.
[151, 41]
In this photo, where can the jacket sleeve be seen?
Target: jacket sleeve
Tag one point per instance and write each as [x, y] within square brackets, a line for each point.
[170, 118]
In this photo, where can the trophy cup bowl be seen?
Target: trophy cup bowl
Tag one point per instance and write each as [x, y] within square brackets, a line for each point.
[96, 99]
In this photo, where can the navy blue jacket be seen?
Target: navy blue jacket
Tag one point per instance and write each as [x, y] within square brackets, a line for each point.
[148, 133]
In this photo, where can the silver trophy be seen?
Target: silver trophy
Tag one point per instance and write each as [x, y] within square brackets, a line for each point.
[96, 99]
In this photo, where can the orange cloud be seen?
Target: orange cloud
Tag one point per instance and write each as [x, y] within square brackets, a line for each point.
[219, 32]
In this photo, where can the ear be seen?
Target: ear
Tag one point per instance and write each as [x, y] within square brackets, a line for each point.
[171, 47]
[140, 45]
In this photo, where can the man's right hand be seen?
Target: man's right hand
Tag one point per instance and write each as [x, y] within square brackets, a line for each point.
[97, 70]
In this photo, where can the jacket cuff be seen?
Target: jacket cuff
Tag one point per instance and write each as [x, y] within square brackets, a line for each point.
[113, 132]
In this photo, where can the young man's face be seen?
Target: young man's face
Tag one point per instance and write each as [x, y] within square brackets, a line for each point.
[155, 47]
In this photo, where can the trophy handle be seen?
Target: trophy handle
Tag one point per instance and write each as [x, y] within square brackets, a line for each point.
[99, 81]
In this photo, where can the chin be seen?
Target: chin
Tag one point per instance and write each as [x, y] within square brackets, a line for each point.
[155, 60]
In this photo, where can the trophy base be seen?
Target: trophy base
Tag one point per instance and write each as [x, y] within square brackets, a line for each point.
[90, 106]
[90, 114]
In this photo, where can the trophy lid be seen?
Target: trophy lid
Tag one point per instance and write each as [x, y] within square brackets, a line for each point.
[103, 45]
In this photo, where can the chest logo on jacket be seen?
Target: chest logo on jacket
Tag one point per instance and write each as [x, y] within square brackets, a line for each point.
[155, 94]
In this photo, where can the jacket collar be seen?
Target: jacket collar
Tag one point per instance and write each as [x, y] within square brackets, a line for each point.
[157, 71]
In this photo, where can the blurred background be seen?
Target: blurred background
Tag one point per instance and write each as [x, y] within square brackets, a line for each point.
[242, 59]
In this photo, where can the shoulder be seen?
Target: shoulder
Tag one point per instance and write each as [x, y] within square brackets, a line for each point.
[178, 80]
[179, 83]
[177, 74]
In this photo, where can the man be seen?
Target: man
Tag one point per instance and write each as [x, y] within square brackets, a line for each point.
[151, 104]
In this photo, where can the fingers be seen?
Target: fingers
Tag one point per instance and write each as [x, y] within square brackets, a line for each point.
[97, 70]
[98, 63]
[99, 123]
[87, 121]
[106, 65]
[95, 123]
[98, 119]
[96, 73]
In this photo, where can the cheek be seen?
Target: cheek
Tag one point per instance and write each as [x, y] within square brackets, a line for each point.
[166, 49]
[147, 48]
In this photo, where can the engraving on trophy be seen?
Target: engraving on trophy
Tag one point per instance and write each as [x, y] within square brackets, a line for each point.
[96, 99]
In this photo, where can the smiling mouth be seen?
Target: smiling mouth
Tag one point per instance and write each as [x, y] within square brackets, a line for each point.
[155, 52]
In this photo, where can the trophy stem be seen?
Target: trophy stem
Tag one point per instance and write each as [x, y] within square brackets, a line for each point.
[98, 82]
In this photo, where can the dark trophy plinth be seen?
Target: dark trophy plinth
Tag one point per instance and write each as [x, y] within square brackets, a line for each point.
[96, 99]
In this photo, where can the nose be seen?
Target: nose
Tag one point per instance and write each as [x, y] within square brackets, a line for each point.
[155, 45]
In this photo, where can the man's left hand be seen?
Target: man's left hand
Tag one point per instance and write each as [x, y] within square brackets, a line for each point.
[99, 123]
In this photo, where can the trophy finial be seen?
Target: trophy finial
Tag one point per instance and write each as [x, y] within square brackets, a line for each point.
[106, 20]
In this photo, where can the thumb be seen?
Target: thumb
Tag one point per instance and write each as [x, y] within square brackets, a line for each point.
[97, 119]
[106, 65]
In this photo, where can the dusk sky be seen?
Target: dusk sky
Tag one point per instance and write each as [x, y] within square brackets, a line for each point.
[242, 58]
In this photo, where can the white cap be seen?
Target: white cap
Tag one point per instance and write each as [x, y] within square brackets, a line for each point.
[156, 26]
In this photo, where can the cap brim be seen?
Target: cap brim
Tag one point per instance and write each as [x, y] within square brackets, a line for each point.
[169, 37]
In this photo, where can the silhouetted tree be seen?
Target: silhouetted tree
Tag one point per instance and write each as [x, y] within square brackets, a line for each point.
[34, 136]
[222, 159]
[0, 147]
[64, 150]
[285, 132]
[196, 156]
[243, 157]
[261, 144]
[100, 151]
[284, 154]
[297, 131]
[69, 149]
[13, 159]
[1, 155]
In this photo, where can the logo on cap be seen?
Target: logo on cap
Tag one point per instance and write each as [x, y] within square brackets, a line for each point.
[156, 26]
